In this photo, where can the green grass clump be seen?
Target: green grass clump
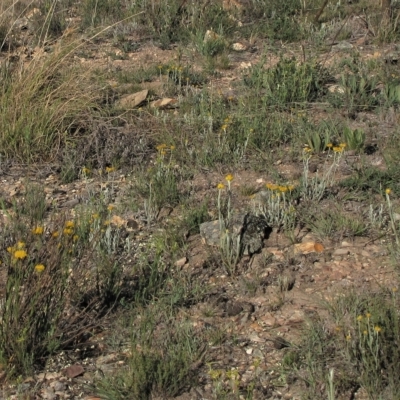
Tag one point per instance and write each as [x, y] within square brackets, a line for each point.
[275, 20]
[289, 83]
[101, 12]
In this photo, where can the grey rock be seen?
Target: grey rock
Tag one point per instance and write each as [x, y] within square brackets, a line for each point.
[249, 227]
[343, 45]
[233, 308]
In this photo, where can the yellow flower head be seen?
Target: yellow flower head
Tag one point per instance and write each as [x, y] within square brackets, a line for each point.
[110, 207]
[271, 186]
[75, 238]
[329, 145]
[229, 177]
[368, 315]
[55, 234]
[20, 245]
[38, 230]
[172, 147]
[220, 186]
[95, 216]
[70, 224]
[388, 191]
[68, 231]
[161, 147]
[343, 145]
[39, 268]
[85, 171]
[359, 318]
[283, 189]
[377, 329]
[223, 127]
[20, 254]
[110, 169]
[338, 149]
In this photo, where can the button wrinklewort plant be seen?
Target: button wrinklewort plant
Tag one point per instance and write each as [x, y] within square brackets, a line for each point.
[230, 248]
[314, 188]
[162, 186]
[35, 297]
[275, 205]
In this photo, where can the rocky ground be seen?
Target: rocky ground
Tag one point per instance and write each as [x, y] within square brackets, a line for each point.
[282, 284]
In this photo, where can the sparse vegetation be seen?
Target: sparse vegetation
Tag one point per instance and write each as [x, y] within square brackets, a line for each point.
[128, 127]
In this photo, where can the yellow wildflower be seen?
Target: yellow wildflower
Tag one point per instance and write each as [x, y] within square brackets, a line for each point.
[338, 328]
[365, 332]
[161, 147]
[75, 238]
[220, 186]
[39, 268]
[20, 254]
[55, 234]
[283, 189]
[377, 329]
[70, 224]
[343, 145]
[85, 171]
[95, 216]
[388, 191]
[368, 315]
[223, 127]
[163, 152]
[68, 231]
[338, 149]
[172, 147]
[38, 230]
[110, 169]
[290, 187]
[329, 145]
[271, 186]
[359, 318]
[11, 249]
[110, 207]
[20, 245]
[229, 177]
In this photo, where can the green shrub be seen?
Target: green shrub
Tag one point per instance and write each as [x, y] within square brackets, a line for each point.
[289, 83]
